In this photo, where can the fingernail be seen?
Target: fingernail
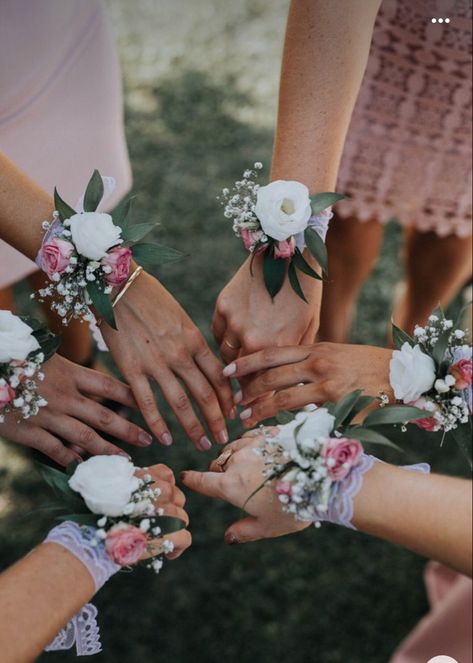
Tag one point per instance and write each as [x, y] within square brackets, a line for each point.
[144, 438]
[230, 369]
[233, 413]
[204, 443]
[246, 414]
[124, 454]
[223, 437]
[230, 539]
[182, 476]
[238, 397]
[166, 439]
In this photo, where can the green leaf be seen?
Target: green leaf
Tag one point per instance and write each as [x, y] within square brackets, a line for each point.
[170, 524]
[87, 519]
[155, 254]
[439, 349]
[137, 232]
[71, 468]
[361, 404]
[102, 303]
[321, 201]
[274, 272]
[64, 210]
[94, 192]
[284, 417]
[317, 247]
[57, 480]
[462, 436]
[400, 337]
[370, 436]
[302, 264]
[342, 409]
[294, 281]
[121, 215]
[394, 414]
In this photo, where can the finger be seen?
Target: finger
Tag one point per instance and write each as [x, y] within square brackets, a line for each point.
[181, 540]
[264, 359]
[205, 483]
[218, 327]
[176, 512]
[159, 471]
[229, 451]
[229, 348]
[287, 399]
[106, 387]
[147, 404]
[273, 380]
[75, 432]
[207, 401]
[181, 405]
[104, 419]
[178, 497]
[245, 530]
[50, 446]
[212, 369]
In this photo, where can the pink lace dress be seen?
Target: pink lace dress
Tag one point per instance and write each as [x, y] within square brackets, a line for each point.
[60, 102]
[408, 149]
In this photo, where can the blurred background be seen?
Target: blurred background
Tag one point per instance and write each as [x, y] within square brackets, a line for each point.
[201, 83]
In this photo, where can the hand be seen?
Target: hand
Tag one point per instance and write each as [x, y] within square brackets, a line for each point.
[73, 414]
[292, 377]
[158, 341]
[247, 320]
[241, 476]
[172, 500]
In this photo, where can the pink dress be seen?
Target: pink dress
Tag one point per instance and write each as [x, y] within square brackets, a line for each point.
[408, 149]
[61, 111]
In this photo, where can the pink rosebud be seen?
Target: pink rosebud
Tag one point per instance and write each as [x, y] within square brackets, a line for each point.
[251, 238]
[428, 423]
[117, 263]
[340, 456]
[283, 488]
[462, 372]
[125, 544]
[285, 248]
[55, 256]
[7, 394]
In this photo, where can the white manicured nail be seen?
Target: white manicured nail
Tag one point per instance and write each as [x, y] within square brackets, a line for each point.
[230, 369]
[246, 414]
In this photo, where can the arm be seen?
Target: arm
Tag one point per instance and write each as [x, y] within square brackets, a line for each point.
[429, 514]
[325, 54]
[43, 591]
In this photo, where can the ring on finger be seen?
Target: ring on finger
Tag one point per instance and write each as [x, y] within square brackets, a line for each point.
[230, 345]
[223, 459]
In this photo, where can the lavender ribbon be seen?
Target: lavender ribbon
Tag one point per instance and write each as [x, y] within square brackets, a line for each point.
[319, 224]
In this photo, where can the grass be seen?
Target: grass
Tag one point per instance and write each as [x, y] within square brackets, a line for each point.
[328, 596]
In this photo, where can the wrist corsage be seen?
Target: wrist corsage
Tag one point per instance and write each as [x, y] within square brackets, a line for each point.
[433, 370]
[278, 221]
[105, 494]
[86, 254]
[318, 449]
[24, 347]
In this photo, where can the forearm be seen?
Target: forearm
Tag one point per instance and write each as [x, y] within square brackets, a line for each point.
[23, 208]
[428, 514]
[38, 596]
[325, 54]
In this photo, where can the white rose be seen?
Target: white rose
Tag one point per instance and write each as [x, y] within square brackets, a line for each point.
[283, 208]
[315, 425]
[411, 373]
[16, 338]
[106, 484]
[93, 233]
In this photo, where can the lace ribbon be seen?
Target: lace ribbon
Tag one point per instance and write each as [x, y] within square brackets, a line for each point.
[319, 224]
[340, 509]
[82, 630]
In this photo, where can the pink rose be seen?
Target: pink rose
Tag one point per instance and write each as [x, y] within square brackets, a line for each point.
[285, 248]
[428, 423]
[283, 488]
[7, 394]
[462, 372]
[55, 256]
[340, 455]
[250, 240]
[125, 544]
[117, 263]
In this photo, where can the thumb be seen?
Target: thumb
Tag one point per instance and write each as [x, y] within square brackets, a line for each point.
[245, 530]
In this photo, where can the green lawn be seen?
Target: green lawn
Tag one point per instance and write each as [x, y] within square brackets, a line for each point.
[328, 596]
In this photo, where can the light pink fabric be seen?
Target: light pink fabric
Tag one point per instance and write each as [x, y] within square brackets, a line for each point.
[61, 110]
[447, 628]
[408, 149]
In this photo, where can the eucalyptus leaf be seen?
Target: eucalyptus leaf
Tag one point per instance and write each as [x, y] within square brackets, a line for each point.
[317, 247]
[321, 201]
[284, 417]
[274, 273]
[463, 438]
[102, 303]
[137, 232]
[394, 414]
[64, 210]
[294, 281]
[400, 337]
[93, 193]
[301, 263]
[370, 436]
[343, 408]
[155, 254]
